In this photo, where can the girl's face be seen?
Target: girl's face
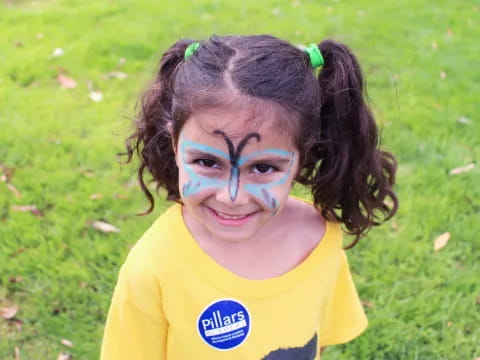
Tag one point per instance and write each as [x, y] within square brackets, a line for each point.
[235, 173]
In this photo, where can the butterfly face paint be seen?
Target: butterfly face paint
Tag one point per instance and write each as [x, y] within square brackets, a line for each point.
[262, 191]
[234, 157]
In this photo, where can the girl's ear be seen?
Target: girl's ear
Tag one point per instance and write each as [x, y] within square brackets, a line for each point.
[170, 128]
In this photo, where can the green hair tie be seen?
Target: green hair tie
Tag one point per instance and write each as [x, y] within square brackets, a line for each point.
[315, 55]
[190, 50]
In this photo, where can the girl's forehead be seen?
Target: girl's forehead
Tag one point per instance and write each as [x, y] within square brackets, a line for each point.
[213, 128]
[239, 119]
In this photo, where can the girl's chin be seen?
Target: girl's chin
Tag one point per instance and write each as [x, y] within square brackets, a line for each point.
[230, 234]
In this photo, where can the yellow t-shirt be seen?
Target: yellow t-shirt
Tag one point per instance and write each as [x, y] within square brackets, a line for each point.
[172, 301]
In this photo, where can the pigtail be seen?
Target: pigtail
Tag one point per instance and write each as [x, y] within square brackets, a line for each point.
[152, 139]
[354, 179]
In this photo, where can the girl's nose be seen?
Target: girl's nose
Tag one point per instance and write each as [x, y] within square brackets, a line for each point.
[232, 194]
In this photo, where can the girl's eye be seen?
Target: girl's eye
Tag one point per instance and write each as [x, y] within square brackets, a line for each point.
[263, 169]
[208, 163]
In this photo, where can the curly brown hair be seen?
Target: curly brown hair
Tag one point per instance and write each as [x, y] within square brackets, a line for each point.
[351, 179]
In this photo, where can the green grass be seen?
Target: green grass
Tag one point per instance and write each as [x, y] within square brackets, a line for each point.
[62, 148]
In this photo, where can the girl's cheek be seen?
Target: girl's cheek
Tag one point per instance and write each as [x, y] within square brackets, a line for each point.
[192, 184]
[195, 194]
[272, 194]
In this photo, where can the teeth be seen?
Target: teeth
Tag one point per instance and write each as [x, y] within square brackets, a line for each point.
[232, 217]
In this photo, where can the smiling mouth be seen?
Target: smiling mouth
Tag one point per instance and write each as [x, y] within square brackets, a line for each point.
[230, 219]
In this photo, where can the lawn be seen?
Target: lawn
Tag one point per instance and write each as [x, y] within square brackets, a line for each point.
[70, 75]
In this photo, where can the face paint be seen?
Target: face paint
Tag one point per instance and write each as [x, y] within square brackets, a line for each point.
[212, 173]
[199, 182]
[234, 154]
[261, 191]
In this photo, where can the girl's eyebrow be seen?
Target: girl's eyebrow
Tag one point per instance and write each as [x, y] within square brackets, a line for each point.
[206, 149]
[279, 161]
[275, 161]
[277, 154]
[199, 153]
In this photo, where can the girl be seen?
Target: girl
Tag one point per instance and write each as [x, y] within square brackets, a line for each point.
[238, 269]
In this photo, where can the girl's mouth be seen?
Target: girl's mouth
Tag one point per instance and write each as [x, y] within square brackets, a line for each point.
[229, 219]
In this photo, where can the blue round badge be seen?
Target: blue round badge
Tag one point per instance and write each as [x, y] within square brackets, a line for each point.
[224, 324]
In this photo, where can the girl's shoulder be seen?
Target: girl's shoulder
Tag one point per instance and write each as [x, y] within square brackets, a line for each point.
[152, 251]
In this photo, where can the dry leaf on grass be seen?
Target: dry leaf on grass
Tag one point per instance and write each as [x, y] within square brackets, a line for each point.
[96, 96]
[121, 62]
[9, 312]
[368, 304]
[14, 190]
[117, 75]
[87, 173]
[15, 279]
[96, 196]
[7, 173]
[66, 82]
[64, 356]
[464, 120]
[57, 52]
[132, 183]
[28, 208]
[441, 241]
[104, 227]
[18, 251]
[462, 169]
[17, 323]
[66, 342]
[394, 225]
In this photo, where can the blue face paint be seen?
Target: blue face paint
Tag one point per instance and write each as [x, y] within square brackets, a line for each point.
[234, 183]
[203, 148]
[199, 182]
[245, 158]
[261, 191]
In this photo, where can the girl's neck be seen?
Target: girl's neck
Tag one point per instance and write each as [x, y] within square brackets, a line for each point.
[279, 246]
